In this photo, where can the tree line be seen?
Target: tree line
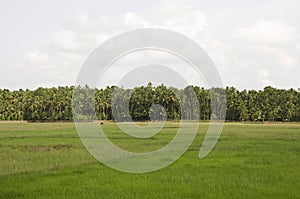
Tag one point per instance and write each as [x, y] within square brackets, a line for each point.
[55, 104]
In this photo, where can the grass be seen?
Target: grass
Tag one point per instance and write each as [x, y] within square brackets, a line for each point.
[48, 160]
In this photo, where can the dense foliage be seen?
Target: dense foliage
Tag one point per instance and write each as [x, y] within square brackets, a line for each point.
[52, 104]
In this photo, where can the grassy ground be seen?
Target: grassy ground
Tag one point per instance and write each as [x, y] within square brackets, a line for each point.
[249, 161]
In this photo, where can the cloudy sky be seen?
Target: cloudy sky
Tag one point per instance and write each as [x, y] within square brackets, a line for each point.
[252, 43]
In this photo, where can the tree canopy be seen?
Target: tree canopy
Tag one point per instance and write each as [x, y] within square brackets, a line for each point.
[55, 104]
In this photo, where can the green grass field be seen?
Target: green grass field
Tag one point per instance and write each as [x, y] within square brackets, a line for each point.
[48, 160]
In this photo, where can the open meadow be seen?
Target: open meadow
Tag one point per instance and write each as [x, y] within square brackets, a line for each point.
[48, 160]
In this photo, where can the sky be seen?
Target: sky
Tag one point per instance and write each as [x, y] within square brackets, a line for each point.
[253, 44]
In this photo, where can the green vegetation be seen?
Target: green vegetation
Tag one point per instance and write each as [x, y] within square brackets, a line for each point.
[47, 160]
[53, 104]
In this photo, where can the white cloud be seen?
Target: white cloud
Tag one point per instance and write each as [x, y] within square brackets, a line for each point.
[184, 19]
[264, 52]
[268, 32]
[131, 19]
[69, 47]
[286, 60]
[66, 40]
[264, 73]
[37, 56]
[57, 62]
